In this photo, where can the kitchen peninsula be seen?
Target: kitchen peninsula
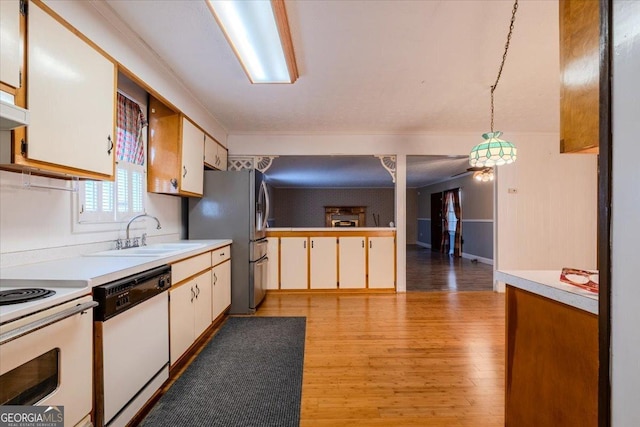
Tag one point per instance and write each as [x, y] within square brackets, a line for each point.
[551, 351]
[340, 259]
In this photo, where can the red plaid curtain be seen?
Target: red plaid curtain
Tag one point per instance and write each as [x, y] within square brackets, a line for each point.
[131, 120]
[451, 197]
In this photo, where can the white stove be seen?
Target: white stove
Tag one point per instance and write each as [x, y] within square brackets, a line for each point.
[61, 292]
[46, 349]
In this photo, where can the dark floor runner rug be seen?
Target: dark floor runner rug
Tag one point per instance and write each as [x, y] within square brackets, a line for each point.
[249, 374]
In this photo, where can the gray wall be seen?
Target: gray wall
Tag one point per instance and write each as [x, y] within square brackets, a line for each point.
[304, 207]
[477, 214]
[412, 215]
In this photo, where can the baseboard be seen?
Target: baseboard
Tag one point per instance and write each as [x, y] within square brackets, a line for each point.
[424, 245]
[479, 258]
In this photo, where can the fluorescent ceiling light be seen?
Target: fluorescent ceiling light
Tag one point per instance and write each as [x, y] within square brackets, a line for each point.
[258, 33]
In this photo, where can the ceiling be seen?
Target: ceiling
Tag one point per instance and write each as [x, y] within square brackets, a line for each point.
[370, 66]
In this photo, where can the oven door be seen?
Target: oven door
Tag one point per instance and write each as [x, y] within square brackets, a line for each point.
[50, 364]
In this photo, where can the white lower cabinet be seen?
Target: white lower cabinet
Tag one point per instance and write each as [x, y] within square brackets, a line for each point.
[381, 267]
[323, 260]
[189, 313]
[353, 263]
[293, 262]
[221, 283]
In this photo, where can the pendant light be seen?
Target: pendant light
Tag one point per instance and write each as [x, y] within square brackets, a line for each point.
[494, 151]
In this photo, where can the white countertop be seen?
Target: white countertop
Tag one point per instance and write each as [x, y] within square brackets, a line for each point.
[98, 270]
[336, 229]
[547, 283]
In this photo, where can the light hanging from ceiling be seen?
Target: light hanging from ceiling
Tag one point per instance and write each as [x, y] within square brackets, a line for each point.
[485, 175]
[494, 151]
[258, 32]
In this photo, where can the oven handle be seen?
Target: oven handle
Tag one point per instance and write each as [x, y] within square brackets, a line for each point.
[45, 321]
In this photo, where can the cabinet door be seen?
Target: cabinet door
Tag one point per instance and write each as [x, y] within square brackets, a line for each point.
[71, 98]
[202, 303]
[192, 172]
[323, 263]
[222, 158]
[579, 76]
[210, 151]
[382, 262]
[293, 263]
[180, 319]
[10, 43]
[353, 267]
[221, 288]
[273, 254]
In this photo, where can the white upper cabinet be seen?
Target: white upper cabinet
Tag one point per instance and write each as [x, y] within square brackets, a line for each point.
[71, 98]
[215, 155]
[10, 43]
[192, 154]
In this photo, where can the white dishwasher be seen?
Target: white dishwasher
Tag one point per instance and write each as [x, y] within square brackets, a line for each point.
[132, 344]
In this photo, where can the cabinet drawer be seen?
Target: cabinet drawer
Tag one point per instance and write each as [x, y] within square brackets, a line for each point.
[187, 268]
[220, 255]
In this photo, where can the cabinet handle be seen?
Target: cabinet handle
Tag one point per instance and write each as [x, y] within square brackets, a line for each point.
[370, 244]
[312, 244]
[184, 171]
[305, 244]
[193, 294]
[198, 289]
[110, 149]
[215, 279]
[363, 243]
[221, 253]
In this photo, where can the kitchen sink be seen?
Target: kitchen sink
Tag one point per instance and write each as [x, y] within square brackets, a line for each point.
[156, 250]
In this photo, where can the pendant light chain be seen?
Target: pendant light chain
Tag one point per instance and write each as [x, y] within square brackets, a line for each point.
[504, 56]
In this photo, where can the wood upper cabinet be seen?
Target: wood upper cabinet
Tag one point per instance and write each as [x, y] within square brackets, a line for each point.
[71, 97]
[176, 152]
[215, 155]
[579, 75]
[10, 44]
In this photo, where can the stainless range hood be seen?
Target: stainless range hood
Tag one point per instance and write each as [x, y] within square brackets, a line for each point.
[12, 116]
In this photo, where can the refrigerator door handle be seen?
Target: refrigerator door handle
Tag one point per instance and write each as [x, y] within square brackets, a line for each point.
[264, 193]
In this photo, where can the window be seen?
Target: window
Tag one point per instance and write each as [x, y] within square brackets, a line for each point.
[106, 201]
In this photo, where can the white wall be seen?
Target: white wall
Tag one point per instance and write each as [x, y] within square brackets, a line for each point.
[548, 224]
[625, 285]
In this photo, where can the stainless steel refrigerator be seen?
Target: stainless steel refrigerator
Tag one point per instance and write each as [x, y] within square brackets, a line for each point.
[235, 205]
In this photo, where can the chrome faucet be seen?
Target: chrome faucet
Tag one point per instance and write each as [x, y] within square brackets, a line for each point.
[127, 242]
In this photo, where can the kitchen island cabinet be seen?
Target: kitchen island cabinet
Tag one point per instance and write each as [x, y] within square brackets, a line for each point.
[323, 263]
[333, 259]
[353, 262]
[294, 254]
[551, 352]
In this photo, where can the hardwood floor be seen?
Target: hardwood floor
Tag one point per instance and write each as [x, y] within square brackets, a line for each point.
[434, 271]
[413, 359]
